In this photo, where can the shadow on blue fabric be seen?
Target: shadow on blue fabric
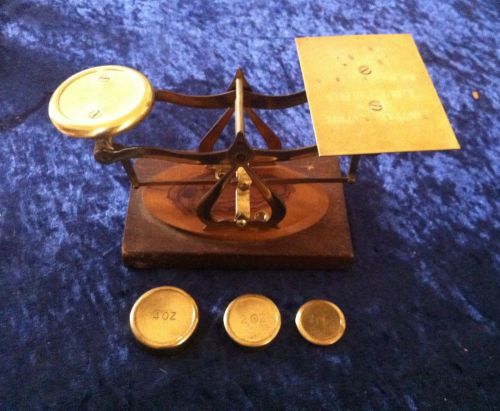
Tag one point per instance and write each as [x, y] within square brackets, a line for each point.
[421, 300]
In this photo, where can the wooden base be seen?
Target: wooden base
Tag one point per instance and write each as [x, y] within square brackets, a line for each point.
[322, 242]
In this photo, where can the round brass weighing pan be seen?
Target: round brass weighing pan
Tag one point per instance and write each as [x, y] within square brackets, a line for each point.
[101, 101]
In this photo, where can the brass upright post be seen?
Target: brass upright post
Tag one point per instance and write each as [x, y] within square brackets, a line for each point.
[242, 212]
[239, 118]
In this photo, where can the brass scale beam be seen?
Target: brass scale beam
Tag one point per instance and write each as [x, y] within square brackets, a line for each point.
[238, 100]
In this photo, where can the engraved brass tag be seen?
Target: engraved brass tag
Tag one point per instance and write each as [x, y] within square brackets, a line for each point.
[372, 94]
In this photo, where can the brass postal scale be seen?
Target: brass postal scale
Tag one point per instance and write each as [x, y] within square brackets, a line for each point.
[250, 207]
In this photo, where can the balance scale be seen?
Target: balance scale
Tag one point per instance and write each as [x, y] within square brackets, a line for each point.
[249, 207]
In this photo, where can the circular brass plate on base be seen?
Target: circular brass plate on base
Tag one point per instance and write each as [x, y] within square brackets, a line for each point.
[252, 320]
[176, 205]
[320, 322]
[104, 100]
[164, 317]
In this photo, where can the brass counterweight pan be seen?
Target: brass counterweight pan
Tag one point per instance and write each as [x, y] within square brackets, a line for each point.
[101, 101]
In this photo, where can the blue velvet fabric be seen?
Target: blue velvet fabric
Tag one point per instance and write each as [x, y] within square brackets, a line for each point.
[421, 301]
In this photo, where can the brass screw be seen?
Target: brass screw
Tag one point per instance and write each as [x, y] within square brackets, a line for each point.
[365, 70]
[95, 113]
[375, 105]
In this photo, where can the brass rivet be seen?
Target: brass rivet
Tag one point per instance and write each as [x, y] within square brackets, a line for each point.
[261, 216]
[243, 186]
[219, 174]
[241, 222]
